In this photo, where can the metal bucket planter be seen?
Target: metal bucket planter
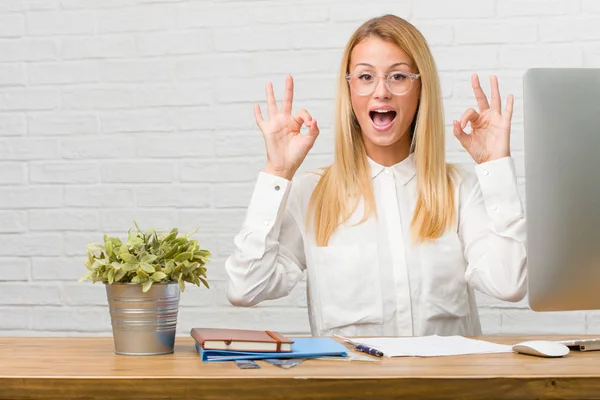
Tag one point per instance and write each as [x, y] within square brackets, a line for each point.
[143, 323]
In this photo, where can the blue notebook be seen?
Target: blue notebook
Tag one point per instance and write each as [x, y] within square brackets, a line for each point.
[302, 348]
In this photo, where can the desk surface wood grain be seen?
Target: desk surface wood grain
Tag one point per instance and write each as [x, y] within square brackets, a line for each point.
[64, 368]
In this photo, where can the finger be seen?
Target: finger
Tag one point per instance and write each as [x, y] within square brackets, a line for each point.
[302, 117]
[469, 116]
[508, 111]
[482, 101]
[288, 96]
[313, 130]
[258, 116]
[496, 101]
[461, 135]
[271, 104]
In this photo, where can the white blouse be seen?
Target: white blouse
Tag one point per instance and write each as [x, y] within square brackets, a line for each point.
[372, 279]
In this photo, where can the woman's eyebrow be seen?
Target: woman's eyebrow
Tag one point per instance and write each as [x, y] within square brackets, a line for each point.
[390, 67]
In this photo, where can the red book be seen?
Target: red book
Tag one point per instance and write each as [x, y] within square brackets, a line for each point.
[241, 340]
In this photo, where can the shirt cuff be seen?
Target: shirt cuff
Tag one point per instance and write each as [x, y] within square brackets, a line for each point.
[498, 181]
[267, 202]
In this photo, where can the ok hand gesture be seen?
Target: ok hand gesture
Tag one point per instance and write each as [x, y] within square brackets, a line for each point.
[286, 147]
[490, 136]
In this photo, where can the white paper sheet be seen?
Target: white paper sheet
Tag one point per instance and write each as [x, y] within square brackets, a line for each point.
[431, 346]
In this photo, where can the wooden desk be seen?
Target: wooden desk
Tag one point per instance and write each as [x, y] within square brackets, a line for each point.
[68, 368]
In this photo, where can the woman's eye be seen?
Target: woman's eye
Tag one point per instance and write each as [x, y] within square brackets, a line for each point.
[365, 77]
[398, 77]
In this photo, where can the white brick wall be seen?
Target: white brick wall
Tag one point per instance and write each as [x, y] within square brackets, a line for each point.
[114, 110]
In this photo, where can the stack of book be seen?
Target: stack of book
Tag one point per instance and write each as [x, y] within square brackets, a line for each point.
[239, 344]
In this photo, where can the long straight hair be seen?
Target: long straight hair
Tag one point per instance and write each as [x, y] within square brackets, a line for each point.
[348, 179]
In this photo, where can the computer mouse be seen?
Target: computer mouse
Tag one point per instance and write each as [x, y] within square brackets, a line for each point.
[541, 348]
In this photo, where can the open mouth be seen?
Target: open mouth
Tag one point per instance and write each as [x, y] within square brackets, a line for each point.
[382, 119]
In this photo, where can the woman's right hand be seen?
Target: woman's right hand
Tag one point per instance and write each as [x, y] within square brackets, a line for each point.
[286, 147]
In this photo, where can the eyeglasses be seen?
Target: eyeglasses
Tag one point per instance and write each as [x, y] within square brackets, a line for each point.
[397, 83]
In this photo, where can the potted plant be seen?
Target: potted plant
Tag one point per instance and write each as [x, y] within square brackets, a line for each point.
[143, 277]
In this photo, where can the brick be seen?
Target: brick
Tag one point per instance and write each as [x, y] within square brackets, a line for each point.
[217, 65]
[284, 14]
[32, 196]
[27, 50]
[14, 269]
[60, 23]
[28, 99]
[140, 18]
[295, 62]
[12, 5]
[240, 143]
[25, 148]
[96, 98]
[189, 42]
[511, 8]
[13, 124]
[484, 32]
[103, 47]
[69, 72]
[12, 25]
[516, 322]
[172, 146]
[13, 221]
[321, 36]
[57, 269]
[97, 148]
[218, 221]
[592, 322]
[85, 294]
[64, 220]
[470, 58]
[15, 318]
[137, 172]
[156, 120]
[591, 56]
[12, 74]
[433, 9]
[557, 56]
[42, 4]
[17, 293]
[484, 301]
[591, 7]
[82, 319]
[95, 4]
[184, 196]
[265, 37]
[59, 123]
[154, 70]
[233, 195]
[13, 173]
[122, 219]
[346, 11]
[98, 196]
[215, 15]
[64, 172]
[220, 171]
[188, 94]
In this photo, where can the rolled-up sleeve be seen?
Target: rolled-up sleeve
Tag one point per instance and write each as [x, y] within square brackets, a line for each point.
[268, 257]
[492, 229]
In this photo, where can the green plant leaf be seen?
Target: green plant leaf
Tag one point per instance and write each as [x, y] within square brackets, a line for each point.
[147, 285]
[183, 257]
[128, 258]
[147, 268]
[119, 275]
[111, 276]
[158, 276]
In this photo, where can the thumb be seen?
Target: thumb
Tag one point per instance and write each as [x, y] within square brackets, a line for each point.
[313, 130]
[461, 135]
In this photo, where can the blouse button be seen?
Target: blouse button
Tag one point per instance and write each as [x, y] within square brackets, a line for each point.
[387, 171]
[277, 188]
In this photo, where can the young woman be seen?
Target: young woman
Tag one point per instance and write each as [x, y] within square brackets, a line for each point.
[393, 240]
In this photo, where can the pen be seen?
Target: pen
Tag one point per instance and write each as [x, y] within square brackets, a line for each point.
[369, 350]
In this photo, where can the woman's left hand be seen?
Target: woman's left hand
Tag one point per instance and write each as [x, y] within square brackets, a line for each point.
[490, 129]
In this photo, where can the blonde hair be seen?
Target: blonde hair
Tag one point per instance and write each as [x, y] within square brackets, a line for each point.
[348, 179]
